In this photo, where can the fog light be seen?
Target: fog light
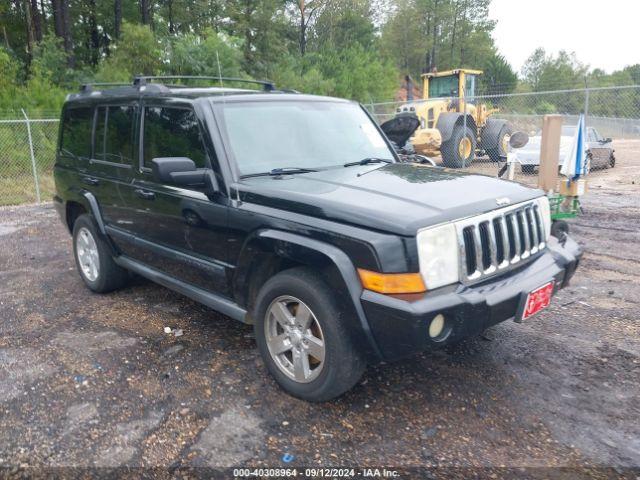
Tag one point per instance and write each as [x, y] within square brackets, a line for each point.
[436, 326]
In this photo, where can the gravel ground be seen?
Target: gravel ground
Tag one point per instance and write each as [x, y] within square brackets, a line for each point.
[92, 380]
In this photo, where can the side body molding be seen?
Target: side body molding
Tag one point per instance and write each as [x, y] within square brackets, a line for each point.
[342, 263]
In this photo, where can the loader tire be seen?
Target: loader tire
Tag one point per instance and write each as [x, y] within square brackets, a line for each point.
[495, 139]
[460, 150]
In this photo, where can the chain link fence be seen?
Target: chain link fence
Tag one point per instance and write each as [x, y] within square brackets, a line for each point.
[27, 145]
[27, 154]
[610, 113]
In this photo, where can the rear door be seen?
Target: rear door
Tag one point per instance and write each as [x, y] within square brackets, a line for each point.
[182, 230]
[110, 169]
[97, 147]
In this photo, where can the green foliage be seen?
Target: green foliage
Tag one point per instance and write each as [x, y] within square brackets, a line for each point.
[193, 54]
[137, 52]
[347, 22]
[423, 35]
[295, 73]
[8, 70]
[498, 76]
[359, 74]
[547, 72]
[37, 94]
[50, 62]
[353, 48]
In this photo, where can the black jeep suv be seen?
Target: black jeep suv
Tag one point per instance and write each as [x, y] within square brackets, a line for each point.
[293, 213]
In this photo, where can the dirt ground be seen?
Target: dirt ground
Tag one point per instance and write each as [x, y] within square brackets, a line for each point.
[92, 380]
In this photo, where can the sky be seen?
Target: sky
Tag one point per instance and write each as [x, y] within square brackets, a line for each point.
[602, 34]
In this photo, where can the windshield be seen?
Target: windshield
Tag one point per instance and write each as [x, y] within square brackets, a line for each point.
[264, 136]
[443, 87]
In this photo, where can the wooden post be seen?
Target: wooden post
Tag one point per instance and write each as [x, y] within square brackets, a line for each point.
[549, 152]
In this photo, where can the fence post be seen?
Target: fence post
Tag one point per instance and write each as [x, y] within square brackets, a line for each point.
[586, 105]
[33, 157]
[464, 100]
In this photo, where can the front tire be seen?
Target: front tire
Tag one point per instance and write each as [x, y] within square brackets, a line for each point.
[302, 337]
[460, 150]
[93, 258]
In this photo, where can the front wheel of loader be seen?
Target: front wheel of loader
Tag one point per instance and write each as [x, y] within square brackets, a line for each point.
[460, 150]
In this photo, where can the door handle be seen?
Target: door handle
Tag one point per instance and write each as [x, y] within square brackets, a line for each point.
[146, 194]
[90, 181]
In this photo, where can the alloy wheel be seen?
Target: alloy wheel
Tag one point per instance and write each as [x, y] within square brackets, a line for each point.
[295, 339]
[87, 253]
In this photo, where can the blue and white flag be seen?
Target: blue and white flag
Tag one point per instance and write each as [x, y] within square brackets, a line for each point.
[575, 163]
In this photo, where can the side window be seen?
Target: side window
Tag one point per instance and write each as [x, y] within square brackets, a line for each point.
[172, 132]
[114, 134]
[76, 132]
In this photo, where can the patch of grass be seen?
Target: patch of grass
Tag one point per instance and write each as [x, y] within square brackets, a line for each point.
[21, 189]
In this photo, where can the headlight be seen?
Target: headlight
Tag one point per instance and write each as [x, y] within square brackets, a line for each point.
[438, 255]
[545, 213]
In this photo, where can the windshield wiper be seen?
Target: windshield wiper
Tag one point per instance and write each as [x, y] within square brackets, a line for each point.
[367, 161]
[279, 171]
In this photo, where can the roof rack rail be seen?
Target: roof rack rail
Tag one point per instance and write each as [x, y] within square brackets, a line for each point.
[267, 86]
[88, 87]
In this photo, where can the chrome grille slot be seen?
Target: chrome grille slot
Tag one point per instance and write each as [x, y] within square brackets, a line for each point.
[484, 239]
[470, 249]
[497, 228]
[499, 240]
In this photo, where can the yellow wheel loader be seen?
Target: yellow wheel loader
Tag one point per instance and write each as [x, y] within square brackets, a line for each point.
[450, 122]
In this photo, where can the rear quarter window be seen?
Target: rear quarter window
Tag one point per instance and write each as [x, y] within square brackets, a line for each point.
[77, 123]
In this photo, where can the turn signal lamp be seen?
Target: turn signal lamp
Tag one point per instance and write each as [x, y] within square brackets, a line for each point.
[392, 283]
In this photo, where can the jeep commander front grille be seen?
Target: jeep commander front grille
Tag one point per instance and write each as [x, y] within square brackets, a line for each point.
[499, 240]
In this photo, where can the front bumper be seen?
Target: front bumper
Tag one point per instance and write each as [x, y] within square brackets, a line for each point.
[400, 324]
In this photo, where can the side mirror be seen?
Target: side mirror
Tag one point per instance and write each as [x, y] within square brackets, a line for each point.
[518, 140]
[178, 171]
[607, 140]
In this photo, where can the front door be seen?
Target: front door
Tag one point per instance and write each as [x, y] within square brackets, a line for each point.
[180, 231]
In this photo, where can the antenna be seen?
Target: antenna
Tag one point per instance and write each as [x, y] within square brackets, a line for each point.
[219, 69]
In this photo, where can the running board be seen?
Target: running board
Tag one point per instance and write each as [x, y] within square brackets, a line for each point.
[216, 302]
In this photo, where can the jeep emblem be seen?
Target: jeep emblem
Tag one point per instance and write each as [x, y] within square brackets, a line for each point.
[503, 201]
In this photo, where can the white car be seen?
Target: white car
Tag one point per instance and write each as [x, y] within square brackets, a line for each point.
[600, 152]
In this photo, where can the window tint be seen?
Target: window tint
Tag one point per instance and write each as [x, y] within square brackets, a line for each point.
[172, 132]
[76, 132]
[114, 134]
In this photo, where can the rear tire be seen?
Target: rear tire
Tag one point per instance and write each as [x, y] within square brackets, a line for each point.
[302, 338]
[460, 150]
[528, 169]
[612, 161]
[93, 257]
[495, 143]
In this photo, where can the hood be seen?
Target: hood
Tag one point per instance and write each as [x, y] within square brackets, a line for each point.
[400, 128]
[399, 198]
